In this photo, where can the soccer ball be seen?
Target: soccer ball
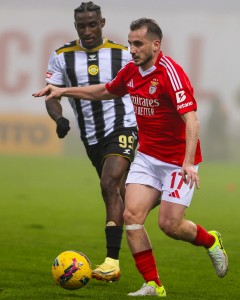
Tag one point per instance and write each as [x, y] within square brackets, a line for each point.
[71, 270]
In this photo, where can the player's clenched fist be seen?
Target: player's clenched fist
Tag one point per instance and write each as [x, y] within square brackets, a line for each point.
[62, 127]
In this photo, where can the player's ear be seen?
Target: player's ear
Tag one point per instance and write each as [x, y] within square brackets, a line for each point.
[75, 25]
[103, 22]
[156, 45]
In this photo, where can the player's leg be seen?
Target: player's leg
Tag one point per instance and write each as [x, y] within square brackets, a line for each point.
[171, 221]
[113, 177]
[176, 198]
[116, 160]
[112, 182]
[142, 191]
[173, 224]
[139, 201]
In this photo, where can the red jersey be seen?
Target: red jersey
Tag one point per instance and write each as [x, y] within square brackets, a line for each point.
[159, 95]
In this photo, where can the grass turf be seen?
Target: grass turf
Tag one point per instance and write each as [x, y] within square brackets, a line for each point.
[49, 205]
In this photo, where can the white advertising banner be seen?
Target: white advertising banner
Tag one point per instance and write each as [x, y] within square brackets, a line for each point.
[202, 36]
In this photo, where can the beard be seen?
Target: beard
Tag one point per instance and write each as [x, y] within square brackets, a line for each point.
[144, 62]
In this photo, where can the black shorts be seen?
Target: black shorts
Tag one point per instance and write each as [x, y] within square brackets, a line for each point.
[122, 142]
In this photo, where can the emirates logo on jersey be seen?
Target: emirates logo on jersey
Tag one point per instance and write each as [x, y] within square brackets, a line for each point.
[93, 70]
[153, 86]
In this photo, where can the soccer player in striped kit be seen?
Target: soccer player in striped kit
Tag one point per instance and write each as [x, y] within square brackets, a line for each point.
[168, 155]
[108, 128]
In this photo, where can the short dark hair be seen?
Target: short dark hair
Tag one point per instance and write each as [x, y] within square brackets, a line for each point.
[87, 6]
[150, 24]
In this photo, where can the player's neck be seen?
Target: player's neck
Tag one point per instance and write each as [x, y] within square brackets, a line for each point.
[103, 40]
[151, 63]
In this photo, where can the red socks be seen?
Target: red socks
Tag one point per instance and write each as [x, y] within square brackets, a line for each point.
[146, 265]
[203, 238]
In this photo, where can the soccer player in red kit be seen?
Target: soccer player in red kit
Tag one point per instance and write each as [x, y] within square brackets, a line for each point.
[168, 154]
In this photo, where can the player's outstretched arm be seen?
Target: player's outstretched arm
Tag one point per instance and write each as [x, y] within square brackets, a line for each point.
[93, 92]
[50, 91]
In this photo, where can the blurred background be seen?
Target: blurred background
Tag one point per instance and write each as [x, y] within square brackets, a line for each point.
[202, 36]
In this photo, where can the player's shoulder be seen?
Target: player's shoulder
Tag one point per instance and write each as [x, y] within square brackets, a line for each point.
[131, 64]
[68, 47]
[129, 68]
[174, 72]
[168, 62]
[114, 45]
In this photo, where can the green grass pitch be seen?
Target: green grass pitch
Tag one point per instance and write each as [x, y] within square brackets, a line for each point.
[49, 205]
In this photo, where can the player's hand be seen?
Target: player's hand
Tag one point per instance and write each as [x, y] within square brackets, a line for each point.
[50, 91]
[62, 127]
[190, 175]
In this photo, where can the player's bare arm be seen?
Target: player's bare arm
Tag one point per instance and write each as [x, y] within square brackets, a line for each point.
[93, 92]
[54, 108]
[189, 173]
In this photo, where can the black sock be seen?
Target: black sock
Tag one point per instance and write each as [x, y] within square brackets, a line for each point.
[114, 239]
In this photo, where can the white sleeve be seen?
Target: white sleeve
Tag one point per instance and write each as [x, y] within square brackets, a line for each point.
[55, 73]
[126, 57]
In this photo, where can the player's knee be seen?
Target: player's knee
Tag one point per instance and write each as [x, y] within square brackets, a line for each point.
[128, 216]
[132, 216]
[169, 227]
[109, 185]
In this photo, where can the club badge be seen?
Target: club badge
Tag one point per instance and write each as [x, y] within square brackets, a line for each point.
[93, 70]
[153, 86]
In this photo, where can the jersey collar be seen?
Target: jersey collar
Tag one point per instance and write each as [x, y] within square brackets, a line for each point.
[146, 72]
[104, 42]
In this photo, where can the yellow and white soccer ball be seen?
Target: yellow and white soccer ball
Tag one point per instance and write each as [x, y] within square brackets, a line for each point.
[71, 270]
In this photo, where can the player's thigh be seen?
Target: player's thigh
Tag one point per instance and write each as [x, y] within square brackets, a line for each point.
[115, 167]
[171, 213]
[139, 200]
[118, 152]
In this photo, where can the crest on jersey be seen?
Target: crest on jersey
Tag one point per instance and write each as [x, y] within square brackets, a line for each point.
[153, 86]
[93, 70]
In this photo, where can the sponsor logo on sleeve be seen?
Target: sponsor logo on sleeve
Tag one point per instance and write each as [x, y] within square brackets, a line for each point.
[184, 105]
[48, 74]
[180, 96]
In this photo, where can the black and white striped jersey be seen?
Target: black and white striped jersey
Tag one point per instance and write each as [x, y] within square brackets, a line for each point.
[73, 65]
